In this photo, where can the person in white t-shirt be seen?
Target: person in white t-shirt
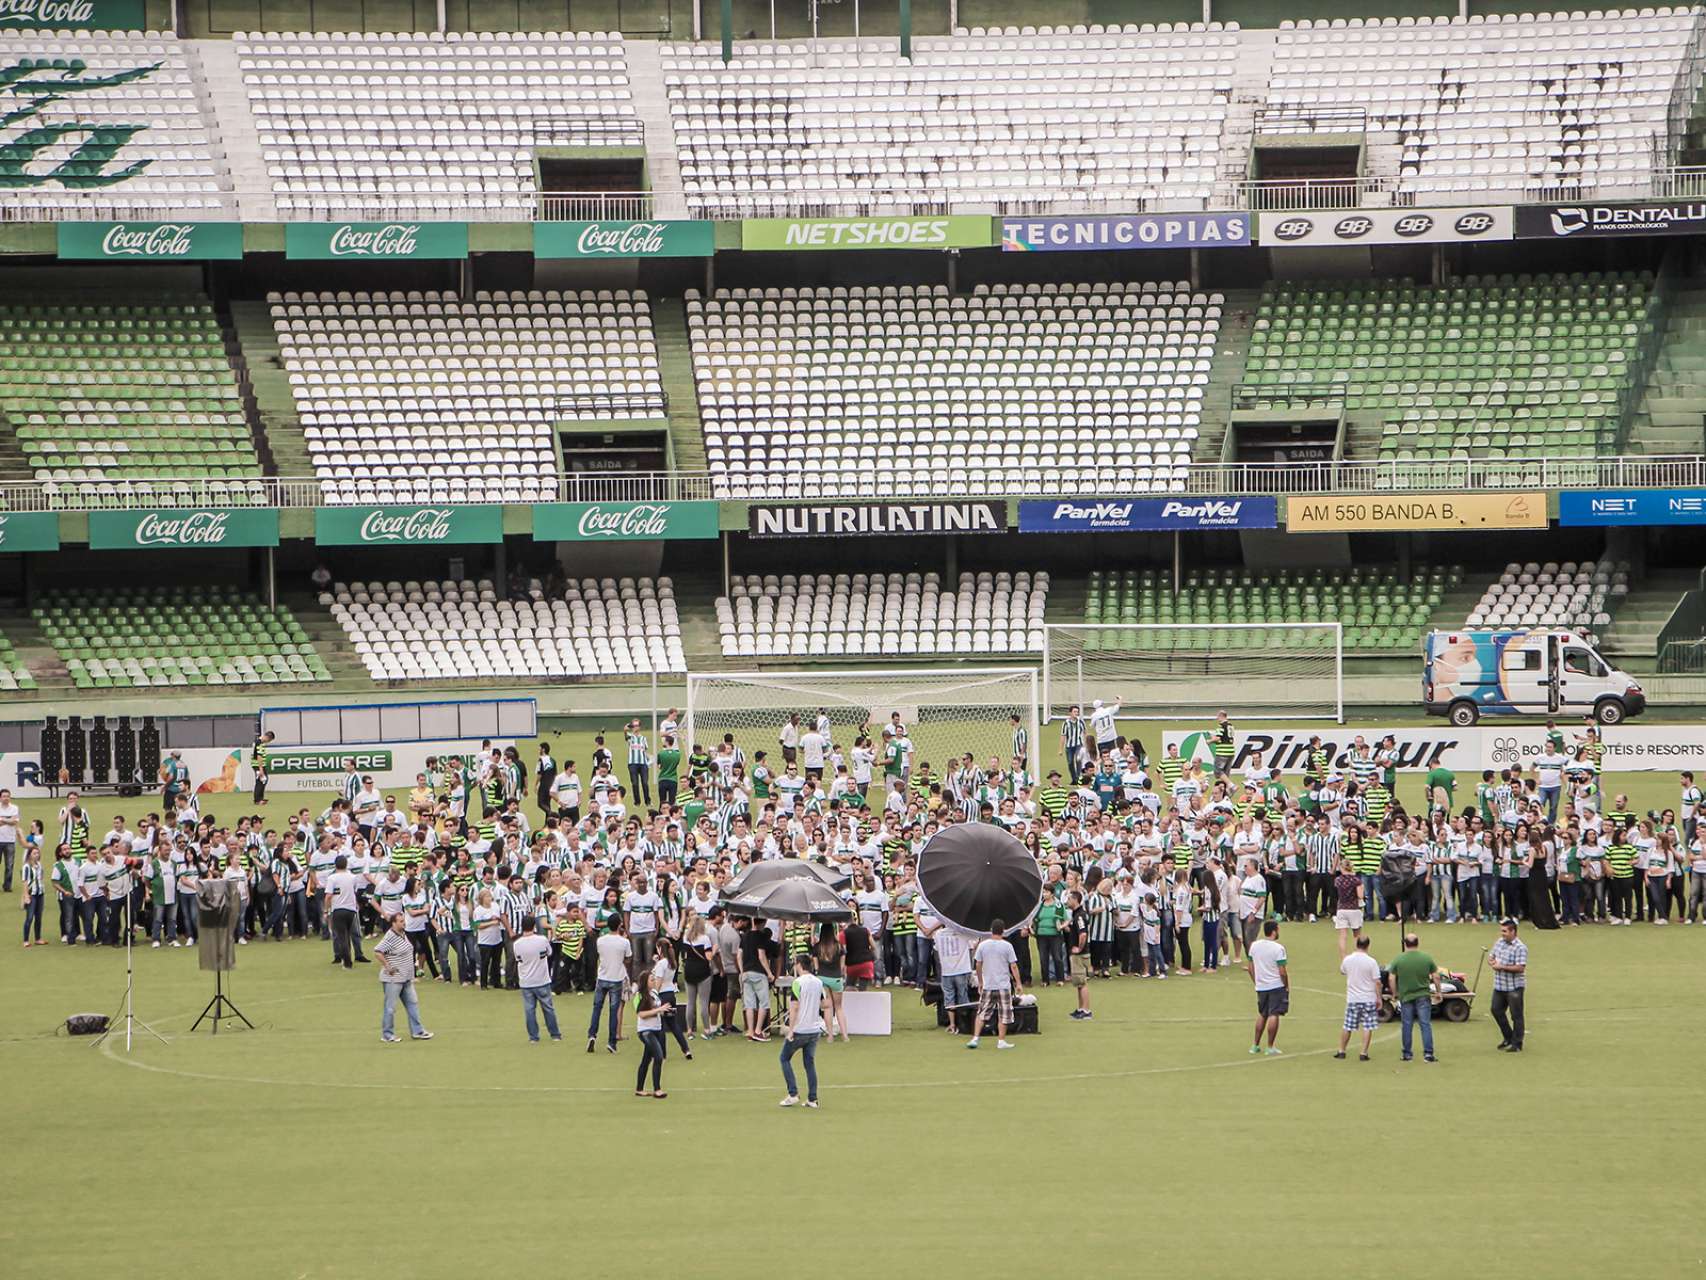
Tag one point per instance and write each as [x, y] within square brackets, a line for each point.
[341, 888]
[533, 966]
[813, 745]
[802, 1029]
[613, 956]
[998, 982]
[1273, 985]
[1362, 997]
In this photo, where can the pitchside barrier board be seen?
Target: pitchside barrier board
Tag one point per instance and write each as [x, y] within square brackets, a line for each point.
[1129, 515]
[624, 239]
[226, 770]
[1126, 231]
[150, 241]
[1342, 227]
[868, 519]
[1644, 748]
[1631, 506]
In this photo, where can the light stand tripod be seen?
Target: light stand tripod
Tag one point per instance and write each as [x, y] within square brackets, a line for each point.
[216, 912]
[131, 1021]
[221, 1006]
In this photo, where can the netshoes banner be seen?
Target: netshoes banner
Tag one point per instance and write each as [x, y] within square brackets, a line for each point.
[150, 241]
[1416, 511]
[624, 239]
[29, 531]
[180, 528]
[381, 526]
[1646, 748]
[956, 232]
[223, 770]
[623, 521]
[71, 15]
[417, 240]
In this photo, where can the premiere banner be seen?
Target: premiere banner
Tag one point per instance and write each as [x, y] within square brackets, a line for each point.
[1386, 226]
[1416, 512]
[872, 519]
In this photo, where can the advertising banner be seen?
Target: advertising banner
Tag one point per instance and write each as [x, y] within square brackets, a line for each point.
[1386, 226]
[1126, 515]
[29, 531]
[864, 519]
[1126, 231]
[1464, 751]
[418, 240]
[1555, 222]
[1416, 511]
[1631, 506]
[224, 770]
[957, 232]
[623, 521]
[182, 528]
[150, 241]
[624, 239]
[381, 526]
[71, 15]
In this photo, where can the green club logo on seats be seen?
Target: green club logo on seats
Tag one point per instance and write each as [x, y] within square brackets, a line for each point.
[71, 15]
[151, 241]
[176, 528]
[27, 88]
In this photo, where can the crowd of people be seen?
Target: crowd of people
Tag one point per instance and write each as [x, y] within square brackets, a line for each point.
[1153, 866]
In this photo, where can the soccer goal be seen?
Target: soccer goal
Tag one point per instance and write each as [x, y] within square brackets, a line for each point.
[947, 711]
[1162, 670]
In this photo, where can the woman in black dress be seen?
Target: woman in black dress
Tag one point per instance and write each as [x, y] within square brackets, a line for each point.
[1540, 913]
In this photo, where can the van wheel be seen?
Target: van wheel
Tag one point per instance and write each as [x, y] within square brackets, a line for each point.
[1463, 714]
[1609, 712]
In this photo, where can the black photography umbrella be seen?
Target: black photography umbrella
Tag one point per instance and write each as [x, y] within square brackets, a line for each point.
[795, 899]
[975, 873]
[779, 869]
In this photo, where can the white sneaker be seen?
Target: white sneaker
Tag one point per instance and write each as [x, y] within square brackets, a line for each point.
[1661, 920]
[972, 1043]
[242, 942]
[789, 1101]
[155, 945]
[1003, 1044]
[177, 944]
[811, 1104]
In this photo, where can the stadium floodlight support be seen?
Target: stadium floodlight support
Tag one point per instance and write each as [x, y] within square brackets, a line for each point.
[1173, 670]
[947, 710]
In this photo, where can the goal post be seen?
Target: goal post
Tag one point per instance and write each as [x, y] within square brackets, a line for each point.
[947, 711]
[1163, 670]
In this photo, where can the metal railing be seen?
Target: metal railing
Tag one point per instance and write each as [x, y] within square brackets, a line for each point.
[597, 206]
[1666, 183]
[110, 205]
[585, 131]
[1030, 481]
[612, 404]
[1291, 118]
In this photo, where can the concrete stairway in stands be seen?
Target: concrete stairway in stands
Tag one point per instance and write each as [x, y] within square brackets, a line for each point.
[651, 104]
[675, 362]
[228, 104]
[271, 387]
[1671, 418]
[1634, 632]
[1231, 349]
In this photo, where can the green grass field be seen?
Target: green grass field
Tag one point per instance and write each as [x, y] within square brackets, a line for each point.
[1145, 1139]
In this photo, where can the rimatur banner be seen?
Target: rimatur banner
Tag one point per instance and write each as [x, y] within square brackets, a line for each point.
[1436, 512]
[1342, 227]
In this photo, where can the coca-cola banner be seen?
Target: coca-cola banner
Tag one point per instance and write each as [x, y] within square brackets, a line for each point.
[182, 528]
[151, 241]
[392, 526]
[71, 15]
[29, 531]
[417, 240]
[624, 239]
[623, 521]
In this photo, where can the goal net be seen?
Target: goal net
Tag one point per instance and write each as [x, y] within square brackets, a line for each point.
[947, 711]
[1161, 670]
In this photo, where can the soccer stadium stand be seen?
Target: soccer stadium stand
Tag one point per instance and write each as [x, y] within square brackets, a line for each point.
[988, 121]
[887, 614]
[129, 393]
[1584, 596]
[106, 126]
[913, 389]
[463, 631]
[407, 125]
[422, 397]
[1520, 366]
[14, 675]
[1502, 104]
[1378, 608]
[122, 637]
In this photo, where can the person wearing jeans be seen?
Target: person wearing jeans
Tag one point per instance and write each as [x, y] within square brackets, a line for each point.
[397, 976]
[801, 1030]
[1411, 980]
[533, 960]
[613, 954]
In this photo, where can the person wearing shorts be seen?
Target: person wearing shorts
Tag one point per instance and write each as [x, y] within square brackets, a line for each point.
[1266, 968]
[758, 952]
[1347, 915]
[998, 980]
[1362, 997]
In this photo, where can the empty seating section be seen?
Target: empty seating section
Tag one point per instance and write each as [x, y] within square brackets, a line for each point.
[1012, 388]
[412, 126]
[126, 397]
[887, 614]
[425, 397]
[462, 631]
[14, 675]
[991, 122]
[1377, 608]
[1499, 106]
[1584, 596]
[1512, 366]
[106, 126]
[122, 637]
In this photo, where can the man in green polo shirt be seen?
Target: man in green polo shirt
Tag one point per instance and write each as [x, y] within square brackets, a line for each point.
[1410, 978]
[669, 771]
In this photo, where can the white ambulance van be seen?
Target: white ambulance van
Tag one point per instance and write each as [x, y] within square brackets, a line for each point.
[1539, 671]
